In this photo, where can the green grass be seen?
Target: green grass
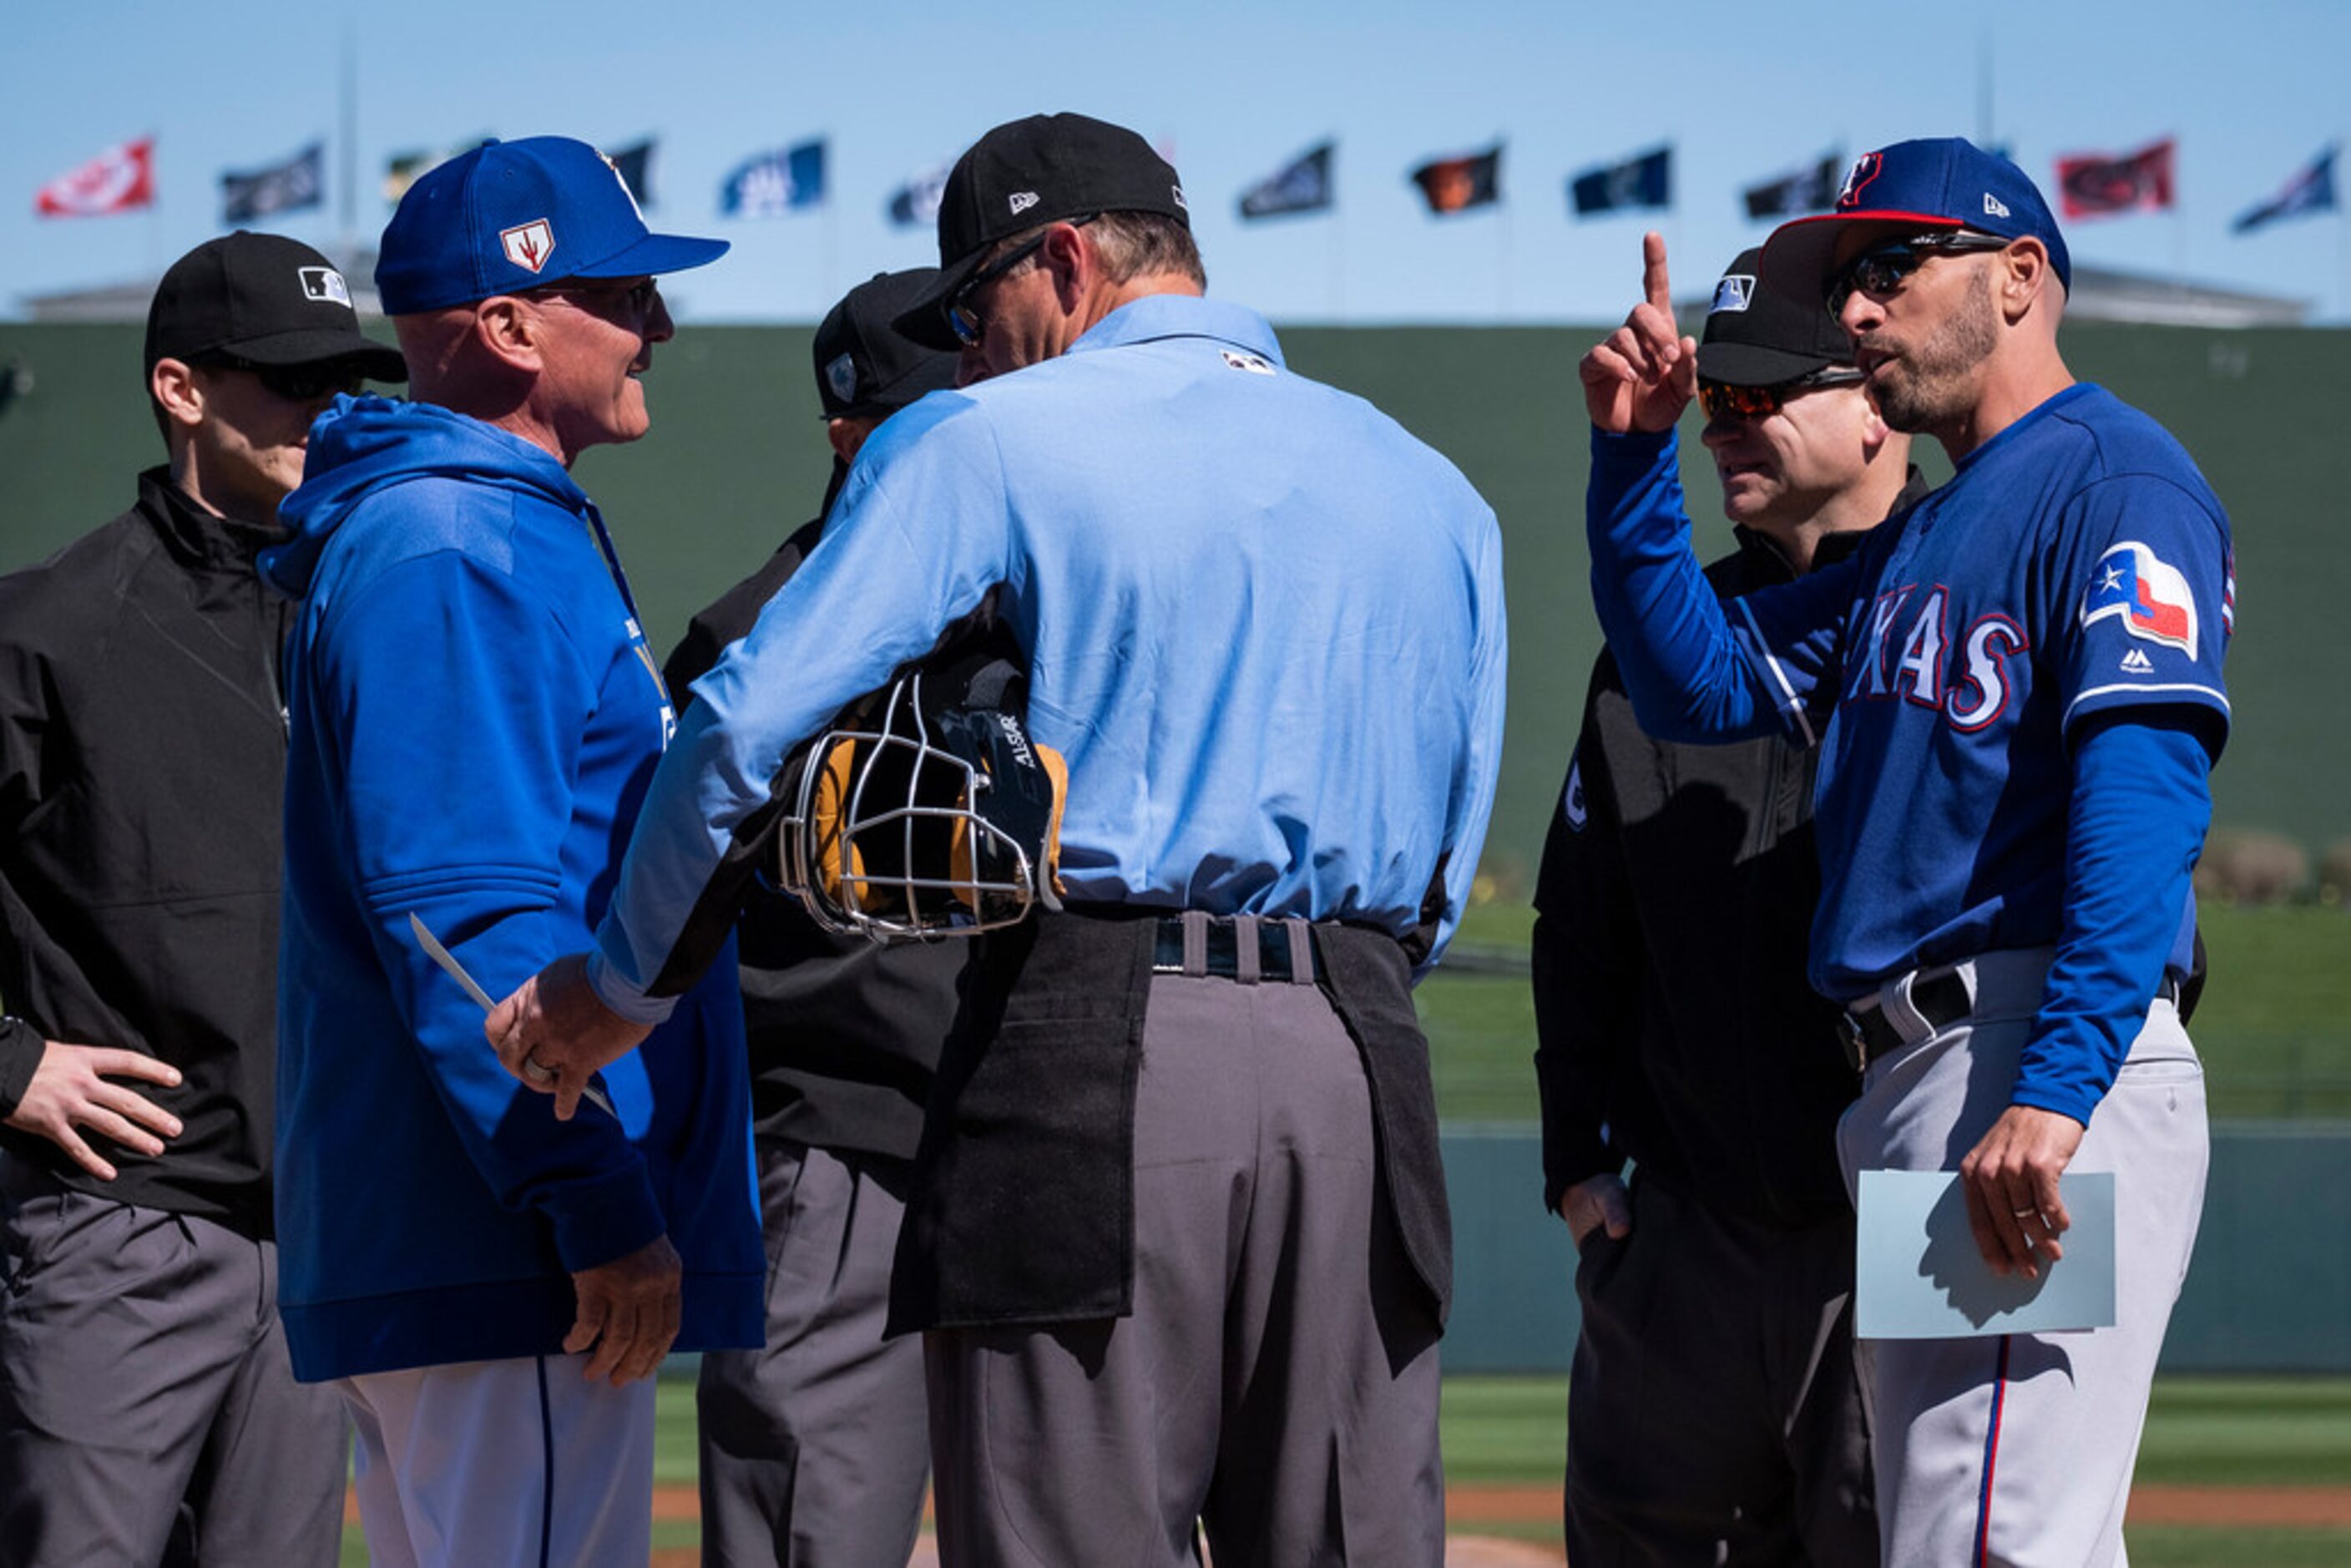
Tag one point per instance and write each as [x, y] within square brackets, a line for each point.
[2218, 1546]
[2275, 1026]
[2247, 1431]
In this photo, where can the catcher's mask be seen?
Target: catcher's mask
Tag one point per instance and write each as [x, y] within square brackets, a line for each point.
[936, 821]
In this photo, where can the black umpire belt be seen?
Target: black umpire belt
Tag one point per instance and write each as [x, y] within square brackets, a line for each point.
[1941, 1001]
[1243, 947]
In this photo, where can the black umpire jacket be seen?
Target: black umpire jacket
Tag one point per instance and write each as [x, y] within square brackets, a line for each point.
[1674, 1023]
[142, 759]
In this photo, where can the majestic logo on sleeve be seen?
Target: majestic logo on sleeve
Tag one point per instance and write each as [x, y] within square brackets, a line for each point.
[2151, 597]
[1572, 804]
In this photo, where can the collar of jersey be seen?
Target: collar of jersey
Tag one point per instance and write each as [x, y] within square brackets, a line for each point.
[1159, 316]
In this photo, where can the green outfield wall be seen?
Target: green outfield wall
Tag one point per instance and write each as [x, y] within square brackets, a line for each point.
[736, 460]
[2269, 1291]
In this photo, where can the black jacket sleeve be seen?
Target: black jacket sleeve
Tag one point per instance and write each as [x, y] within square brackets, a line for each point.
[709, 635]
[1587, 962]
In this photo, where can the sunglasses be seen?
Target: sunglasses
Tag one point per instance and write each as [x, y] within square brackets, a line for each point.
[1721, 398]
[1881, 270]
[962, 319]
[296, 383]
[635, 301]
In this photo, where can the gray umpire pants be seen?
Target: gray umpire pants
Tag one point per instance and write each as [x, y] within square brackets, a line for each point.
[148, 1413]
[2016, 1451]
[815, 1448]
[1714, 1413]
[1277, 1381]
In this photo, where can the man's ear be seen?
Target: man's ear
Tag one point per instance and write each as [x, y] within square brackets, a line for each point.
[511, 330]
[173, 385]
[2024, 274]
[1070, 256]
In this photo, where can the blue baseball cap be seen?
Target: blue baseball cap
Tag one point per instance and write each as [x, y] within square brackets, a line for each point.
[512, 215]
[1940, 183]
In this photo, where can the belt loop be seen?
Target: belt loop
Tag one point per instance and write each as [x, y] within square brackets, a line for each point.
[1249, 965]
[1195, 943]
[1302, 951]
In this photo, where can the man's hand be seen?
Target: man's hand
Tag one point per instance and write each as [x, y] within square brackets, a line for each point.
[2010, 1181]
[1642, 375]
[629, 1311]
[1595, 1201]
[554, 1034]
[70, 1090]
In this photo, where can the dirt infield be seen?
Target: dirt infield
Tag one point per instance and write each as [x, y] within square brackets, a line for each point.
[1467, 1507]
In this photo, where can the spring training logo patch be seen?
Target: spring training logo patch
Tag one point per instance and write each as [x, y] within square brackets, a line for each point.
[1736, 292]
[2150, 597]
[528, 245]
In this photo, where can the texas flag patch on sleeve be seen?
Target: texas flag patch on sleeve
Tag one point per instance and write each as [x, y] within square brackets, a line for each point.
[2150, 596]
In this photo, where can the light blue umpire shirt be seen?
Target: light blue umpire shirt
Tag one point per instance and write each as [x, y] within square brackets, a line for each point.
[1264, 627]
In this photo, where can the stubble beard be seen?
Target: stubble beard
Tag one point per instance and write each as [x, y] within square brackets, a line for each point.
[1928, 386]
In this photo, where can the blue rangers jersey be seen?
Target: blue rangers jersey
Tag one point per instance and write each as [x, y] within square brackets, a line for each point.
[2076, 564]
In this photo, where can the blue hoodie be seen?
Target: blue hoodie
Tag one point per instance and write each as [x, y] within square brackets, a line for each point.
[475, 716]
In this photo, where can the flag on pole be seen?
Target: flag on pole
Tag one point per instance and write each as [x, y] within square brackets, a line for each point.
[1457, 184]
[915, 204]
[403, 169]
[1301, 185]
[286, 187]
[2094, 184]
[2311, 191]
[770, 185]
[1644, 181]
[119, 180]
[635, 167]
[1812, 189]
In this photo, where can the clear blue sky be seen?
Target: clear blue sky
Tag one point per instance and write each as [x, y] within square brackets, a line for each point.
[2251, 90]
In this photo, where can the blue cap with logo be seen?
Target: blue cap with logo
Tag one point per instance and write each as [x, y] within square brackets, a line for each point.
[1940, 183]
[513, 216]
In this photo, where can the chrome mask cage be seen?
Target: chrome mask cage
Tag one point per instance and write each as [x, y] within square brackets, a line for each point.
[901, 832]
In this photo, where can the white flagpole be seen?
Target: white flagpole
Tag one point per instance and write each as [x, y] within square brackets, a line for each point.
[347, 205]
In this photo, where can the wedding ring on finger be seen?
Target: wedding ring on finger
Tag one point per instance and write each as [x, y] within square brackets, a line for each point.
[536, 1071]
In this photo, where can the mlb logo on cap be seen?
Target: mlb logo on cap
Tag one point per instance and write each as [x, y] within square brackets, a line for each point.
[325, 285]
[1733, 293]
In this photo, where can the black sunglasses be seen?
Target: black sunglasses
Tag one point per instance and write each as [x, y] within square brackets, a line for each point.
[600, 298]
[1882, 269]
[963, 321]
[296, 383]
[1721, 398]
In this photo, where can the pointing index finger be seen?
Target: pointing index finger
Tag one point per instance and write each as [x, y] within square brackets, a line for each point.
[1654, 283]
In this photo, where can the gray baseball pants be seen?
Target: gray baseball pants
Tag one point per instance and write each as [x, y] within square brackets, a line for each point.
[1715, 1415]
[1277, 1381]
[148, 1413]
[2017, 1450]
[815, 1448]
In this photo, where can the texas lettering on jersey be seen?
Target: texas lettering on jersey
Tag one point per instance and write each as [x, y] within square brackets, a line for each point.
[1969, 683]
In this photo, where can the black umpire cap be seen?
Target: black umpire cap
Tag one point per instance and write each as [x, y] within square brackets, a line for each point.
[1759, 337]
[267, 300]
[1045, 169]
[865, 368]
